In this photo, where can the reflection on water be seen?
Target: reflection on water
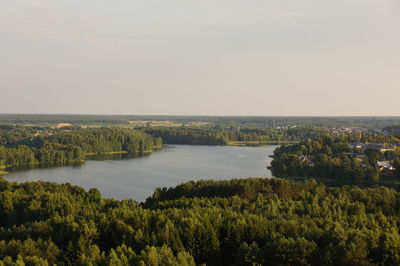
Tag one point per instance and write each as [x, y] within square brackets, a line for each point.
[117, 156]
[121, 176]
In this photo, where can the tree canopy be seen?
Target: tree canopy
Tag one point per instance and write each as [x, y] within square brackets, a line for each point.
[332, 157]
[30, 146]
[235, 222]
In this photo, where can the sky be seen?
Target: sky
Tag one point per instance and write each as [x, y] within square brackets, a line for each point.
[200, 57]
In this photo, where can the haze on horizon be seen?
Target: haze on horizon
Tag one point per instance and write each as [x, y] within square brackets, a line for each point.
[187, 57]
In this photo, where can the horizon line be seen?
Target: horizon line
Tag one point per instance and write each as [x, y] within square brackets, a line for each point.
[201, 115]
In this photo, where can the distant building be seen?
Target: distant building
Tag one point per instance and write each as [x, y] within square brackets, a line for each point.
[305, 160]
[384, 165]
[386, 168]
[45, 133]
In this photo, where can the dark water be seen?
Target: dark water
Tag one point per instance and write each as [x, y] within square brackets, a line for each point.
[137, 178]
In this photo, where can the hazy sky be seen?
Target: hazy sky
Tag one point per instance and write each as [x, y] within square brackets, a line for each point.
[206, 57]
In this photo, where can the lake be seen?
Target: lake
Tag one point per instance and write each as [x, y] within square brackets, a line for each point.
[137, 178]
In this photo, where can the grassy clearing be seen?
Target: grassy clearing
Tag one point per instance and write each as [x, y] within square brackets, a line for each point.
[258, 143]
[142, 123]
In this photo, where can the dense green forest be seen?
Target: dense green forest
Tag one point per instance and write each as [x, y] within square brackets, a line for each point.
[251, 121]
[11, 135]
[102, 140]
[44, 119]
[334, 157]
[226, 136]
[235, 222]
[29, 146]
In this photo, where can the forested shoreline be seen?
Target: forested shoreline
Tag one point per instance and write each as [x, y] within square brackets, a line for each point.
[254, 221]
[234, 222]
[230, 136]
[344, 157]
[29, 146]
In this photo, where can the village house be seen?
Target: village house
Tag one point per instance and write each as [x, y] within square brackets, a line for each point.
[305, 160]
[386, 168]
[44, 133]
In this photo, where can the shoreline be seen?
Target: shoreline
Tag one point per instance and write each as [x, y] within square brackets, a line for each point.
[105, 153]
[257, 143]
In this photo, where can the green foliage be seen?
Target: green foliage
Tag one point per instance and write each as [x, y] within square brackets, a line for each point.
[234, 222]
[224, 136]
[331, 157]
[253, 121]
[102, 140]
[23, 148]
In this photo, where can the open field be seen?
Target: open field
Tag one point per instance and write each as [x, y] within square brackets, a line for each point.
[257, 143]
[168, 123]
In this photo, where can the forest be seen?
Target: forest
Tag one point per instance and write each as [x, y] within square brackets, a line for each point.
[235, 121]
[236, 222]
[30, 146]
[50, 119]
[334, 157]
[229, 136]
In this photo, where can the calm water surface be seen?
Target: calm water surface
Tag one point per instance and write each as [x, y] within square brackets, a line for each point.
[137, 178]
